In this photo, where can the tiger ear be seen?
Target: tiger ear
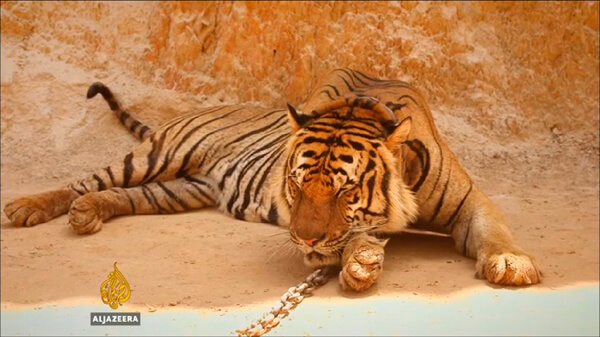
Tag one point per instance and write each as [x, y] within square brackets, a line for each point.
[399, 135]
[297, 121]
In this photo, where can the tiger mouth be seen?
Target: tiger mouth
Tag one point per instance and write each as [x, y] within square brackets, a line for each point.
[315, 255]
[315, 259]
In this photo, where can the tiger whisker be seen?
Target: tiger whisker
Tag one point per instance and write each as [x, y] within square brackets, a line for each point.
[278, 234]
[285, 249]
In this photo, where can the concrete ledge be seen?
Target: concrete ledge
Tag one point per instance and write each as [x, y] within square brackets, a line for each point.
[566, 311]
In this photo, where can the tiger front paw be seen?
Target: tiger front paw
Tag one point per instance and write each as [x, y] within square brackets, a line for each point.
[28, 211]
[509, 269]
[84, 216]
[362, 269]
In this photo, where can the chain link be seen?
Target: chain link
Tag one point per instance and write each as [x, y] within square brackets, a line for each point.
[292, 297]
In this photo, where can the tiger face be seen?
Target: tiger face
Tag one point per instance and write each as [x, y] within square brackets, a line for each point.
[342, 178]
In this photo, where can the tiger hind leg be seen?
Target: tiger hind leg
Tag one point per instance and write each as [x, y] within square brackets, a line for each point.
[39, 208]
[88, 212]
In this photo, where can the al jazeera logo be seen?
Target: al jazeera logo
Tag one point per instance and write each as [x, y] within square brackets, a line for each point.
[115, 291]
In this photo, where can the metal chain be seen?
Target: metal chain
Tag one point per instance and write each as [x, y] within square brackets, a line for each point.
[292, 297]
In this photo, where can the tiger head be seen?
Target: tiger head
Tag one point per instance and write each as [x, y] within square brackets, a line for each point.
[342, 177]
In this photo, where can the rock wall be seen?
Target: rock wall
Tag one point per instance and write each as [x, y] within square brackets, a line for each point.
[503, 72]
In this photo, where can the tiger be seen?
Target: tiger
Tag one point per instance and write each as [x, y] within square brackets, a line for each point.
[360, 161]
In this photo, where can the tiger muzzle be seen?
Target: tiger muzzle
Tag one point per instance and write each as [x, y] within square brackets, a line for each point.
[317, 221]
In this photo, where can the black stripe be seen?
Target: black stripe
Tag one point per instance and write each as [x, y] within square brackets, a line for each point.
[182, 171]
[393, 84]
[458, 208]
[371, 187]
[273, 215]
[110, 175]
[248, 165]
[256, 131]
[349, 87]
[337, 93]
[143, 131]
[207, 153]
[292, 155]
[440, 169]
[243, 158]
[268, 163]
[349, 76]
[133, 211]
[182, 168]
[369, 78]
[153, 156]
[358, 78]
[196, 197]
[367, 103]
[370, 165]
[147, 196]
[193, 181]
[236, 192]
[154, 201]
[339, 170]
[274, 159]
[101, 185]
[356, 145]
[171, 153]
[335, 124]
[423, 155]
[361, 135]
[123, 117]
[134, 125]
[167, 160]
[215, 164]
[128, 169]
[308, 154]
[395, 106]
[173, 196]
[250, 146]
[441, 200]
[313, 139]
[315, 129]
[328, 93]
[166, 200]
[247, 189]
[349, 127]
[412, 99]
[372, 122]
[190, 120]
[76, 190]
[366, 211]
[156, 150]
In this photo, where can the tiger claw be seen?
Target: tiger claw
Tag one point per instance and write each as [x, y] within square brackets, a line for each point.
[26, 212]
[362, 269]
[84, 218]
